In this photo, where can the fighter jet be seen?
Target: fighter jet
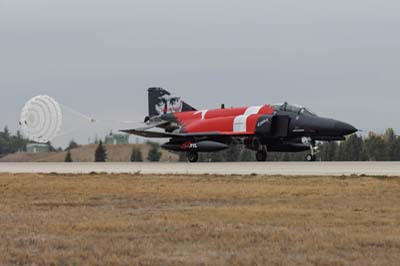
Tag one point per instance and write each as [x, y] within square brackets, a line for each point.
[265, 128]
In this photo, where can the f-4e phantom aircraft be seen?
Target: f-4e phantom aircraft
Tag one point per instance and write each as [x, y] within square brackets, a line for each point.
[270, 127]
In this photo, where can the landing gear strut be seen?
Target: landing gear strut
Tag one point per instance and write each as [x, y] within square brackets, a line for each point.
[192, 156]
[261, 155]
[311, 157]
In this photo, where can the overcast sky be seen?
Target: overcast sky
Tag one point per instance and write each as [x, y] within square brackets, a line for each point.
[339, 58]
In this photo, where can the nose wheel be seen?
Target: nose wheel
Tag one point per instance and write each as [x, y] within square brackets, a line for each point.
[193, 156]
[311, 157]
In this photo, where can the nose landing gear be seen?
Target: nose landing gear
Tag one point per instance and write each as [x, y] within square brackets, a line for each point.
[311, 157]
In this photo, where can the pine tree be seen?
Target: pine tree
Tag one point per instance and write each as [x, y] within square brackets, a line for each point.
[332, 147]
[6, 133]
[217, 156]
[204, 157]
[72, 145]
[396, 149]
[51, 147]
[389, 136]
[390, 141]
[136, 155]
[154, 153]
[5, 139]
[20, 142]
[328, 151]
[247, 155]
[101, 153]
[2, 146]
[286, 157]
[68, 157]
[354, 147]
[182, 157]
[232, 154]
[340, 154]
[375, 147]
[10, 143]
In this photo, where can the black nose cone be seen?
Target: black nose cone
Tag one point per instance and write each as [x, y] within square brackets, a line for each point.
[344, 128]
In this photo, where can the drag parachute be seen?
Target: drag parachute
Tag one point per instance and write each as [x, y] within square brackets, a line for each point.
[41, 119]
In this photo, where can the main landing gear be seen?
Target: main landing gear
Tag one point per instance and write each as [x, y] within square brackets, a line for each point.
[193, 156]
[261, 155]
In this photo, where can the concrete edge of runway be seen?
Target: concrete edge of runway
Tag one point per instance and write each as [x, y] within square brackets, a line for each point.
[239, 168]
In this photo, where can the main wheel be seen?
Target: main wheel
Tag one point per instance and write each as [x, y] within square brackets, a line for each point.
[310, 158]
[193, 156]
[261, 156]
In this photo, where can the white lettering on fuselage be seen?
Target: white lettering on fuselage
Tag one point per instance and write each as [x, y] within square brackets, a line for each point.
[263, 122]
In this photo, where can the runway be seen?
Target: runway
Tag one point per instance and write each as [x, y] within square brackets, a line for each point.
[240, 168]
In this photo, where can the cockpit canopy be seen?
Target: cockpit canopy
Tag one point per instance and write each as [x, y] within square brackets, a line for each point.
[292, 108]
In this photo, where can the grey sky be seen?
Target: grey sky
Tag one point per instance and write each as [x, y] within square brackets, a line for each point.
[339, 58]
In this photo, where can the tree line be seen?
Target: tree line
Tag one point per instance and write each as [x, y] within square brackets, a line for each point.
[100, 155]
[373, 147]
[11, 143]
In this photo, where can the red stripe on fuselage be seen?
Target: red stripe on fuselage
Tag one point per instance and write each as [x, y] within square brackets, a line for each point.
[252, 122]
[225, 112]
[266, 110]
[210, 125]
[207, 114]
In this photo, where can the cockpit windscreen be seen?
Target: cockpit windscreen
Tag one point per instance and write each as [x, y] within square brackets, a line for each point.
[291, 108]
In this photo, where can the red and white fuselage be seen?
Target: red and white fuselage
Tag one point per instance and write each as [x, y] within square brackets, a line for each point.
[242, 120]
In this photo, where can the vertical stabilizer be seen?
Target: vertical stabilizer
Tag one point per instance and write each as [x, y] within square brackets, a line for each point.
[161, 102]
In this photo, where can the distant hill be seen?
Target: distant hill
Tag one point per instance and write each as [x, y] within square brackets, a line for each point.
[115, 153]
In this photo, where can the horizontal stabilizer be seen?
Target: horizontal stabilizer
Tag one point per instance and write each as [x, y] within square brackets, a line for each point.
[153, 125]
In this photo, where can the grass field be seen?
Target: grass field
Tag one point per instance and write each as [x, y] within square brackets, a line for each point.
[198, 220]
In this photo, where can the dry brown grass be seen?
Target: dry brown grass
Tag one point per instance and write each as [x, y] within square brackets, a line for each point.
[115, 153]
[198, 220]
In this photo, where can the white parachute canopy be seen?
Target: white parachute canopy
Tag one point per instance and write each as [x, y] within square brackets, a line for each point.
[41, 119]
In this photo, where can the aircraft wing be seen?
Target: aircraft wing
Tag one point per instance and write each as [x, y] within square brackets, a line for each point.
[148, 134]
[154, 134]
